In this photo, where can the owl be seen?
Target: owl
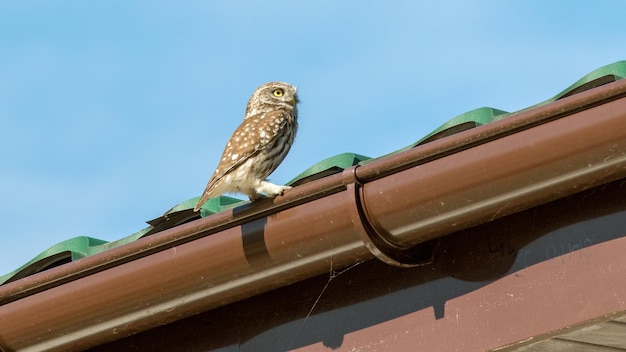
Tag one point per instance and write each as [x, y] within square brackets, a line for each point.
[257, 146]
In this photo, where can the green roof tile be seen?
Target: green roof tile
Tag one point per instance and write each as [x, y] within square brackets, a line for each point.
[470, 119]
[328, 167]
[65, 252]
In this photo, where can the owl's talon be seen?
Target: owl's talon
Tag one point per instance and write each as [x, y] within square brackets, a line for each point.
[270, 189]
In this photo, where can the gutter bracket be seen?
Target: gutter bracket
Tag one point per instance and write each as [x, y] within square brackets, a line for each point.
[376, 243]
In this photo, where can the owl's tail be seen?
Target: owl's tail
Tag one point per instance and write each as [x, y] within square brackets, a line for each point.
[208, 193]
[200, 202]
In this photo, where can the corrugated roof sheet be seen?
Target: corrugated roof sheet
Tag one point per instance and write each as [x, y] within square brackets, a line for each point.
[83, 246]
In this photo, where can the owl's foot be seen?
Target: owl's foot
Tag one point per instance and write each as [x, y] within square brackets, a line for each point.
[269, 189]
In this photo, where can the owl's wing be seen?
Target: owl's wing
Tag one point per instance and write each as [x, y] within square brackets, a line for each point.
[247, 141]
[226, 165]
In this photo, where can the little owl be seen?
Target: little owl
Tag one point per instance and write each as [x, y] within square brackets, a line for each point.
[257, 146]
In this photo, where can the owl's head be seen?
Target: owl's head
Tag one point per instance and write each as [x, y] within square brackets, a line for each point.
[271, 96]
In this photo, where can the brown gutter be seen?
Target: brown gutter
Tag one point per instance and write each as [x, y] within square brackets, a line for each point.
[384, 207]
[514, 164]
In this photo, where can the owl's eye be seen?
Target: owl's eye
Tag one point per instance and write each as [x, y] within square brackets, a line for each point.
[278, 92]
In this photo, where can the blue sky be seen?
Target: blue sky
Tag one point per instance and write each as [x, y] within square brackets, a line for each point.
[112, 112]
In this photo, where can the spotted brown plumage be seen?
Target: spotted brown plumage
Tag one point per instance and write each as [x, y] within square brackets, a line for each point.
[257, 146]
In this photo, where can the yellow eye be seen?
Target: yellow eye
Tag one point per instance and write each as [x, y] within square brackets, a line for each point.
[278, 92]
